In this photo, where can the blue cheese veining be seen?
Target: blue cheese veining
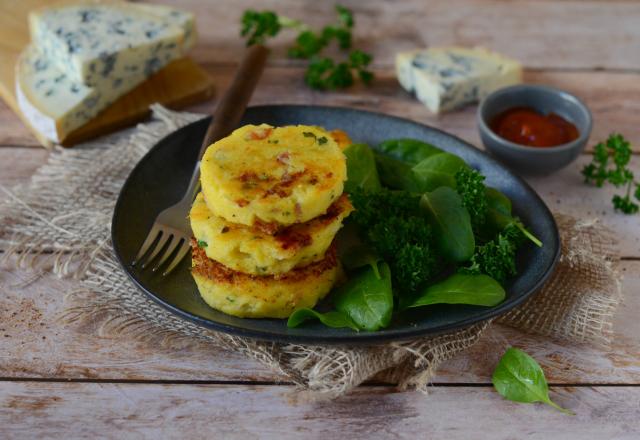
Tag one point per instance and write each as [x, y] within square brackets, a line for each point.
[448, 78]
[100, 44]
[54, 90]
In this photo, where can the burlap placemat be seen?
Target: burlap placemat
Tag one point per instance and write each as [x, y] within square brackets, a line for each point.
[60, 222]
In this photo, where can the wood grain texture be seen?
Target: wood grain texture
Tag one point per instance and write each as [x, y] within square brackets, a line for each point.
[82, 410]
[587, 47]
[570, 34]
[33, 344]
[614, 100]
[180, 83]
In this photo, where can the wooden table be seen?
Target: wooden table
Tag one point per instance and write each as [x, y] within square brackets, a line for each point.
[71, 382]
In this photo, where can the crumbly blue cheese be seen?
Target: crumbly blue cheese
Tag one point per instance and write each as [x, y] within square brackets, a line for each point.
[55, 104]
[99, 44]
[49, 91]
[182, 18]
[449, 78]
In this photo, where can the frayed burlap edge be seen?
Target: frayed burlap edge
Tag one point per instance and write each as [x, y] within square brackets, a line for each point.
[60, 222]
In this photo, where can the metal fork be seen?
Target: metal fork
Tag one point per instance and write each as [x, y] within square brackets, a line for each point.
[168, 239]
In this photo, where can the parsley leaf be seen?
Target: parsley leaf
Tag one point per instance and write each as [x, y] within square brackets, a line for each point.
[601, 170]
[322, 73]
[497, 258]
[470, 186]
[392, 224]
[257, 26]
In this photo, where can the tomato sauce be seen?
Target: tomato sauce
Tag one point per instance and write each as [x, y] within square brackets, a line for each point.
[527, 127]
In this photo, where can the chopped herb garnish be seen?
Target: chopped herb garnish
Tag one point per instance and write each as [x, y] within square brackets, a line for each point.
[202, 244]
[308, 134]
[322, 140]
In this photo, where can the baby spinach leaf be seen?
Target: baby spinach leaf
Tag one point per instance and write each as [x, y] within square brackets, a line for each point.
[438, 170]
[499, 216]
[497, 221]
[477, 290]
[367, 299]
[429, 174]
[498, 201]
[395, 173]
[360, 256]
[411, 151]
[332, 319]
[519, 378]
[451, 223]
[361, 169]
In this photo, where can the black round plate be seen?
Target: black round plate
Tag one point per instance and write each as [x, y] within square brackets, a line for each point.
[161, 178]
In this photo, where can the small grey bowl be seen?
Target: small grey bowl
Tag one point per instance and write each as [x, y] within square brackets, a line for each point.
[534, 160]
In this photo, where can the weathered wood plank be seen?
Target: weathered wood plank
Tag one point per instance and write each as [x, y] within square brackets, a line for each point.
[17, 164]
[85, 410]
[34, 345]
[614, 99]
[542, 34]
[566, 192]
[563, 362]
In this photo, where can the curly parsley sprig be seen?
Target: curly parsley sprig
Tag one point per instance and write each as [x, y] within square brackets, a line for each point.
[609, 164]
[323, 73]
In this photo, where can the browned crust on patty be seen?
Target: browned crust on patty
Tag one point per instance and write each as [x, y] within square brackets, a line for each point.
[341, 205]
[219, 273]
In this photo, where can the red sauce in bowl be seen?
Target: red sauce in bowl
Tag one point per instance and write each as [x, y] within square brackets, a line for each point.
[527, 127]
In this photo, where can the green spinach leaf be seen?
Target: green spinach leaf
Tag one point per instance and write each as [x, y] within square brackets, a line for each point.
[438, 170]
[477, 290]
[410, 151]
[451, 223]
[498, 201]
[360, 256]
[332, 319]
[519, 378]
[499, 216]
[361, 169]
[395, 173]
[367, 299]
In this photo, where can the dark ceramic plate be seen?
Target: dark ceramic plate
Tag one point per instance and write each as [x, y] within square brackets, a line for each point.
[161, 178]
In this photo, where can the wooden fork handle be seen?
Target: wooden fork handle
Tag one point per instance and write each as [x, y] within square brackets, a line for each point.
[235, 100]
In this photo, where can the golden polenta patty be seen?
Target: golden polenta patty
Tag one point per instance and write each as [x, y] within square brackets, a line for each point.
[254, 251]
[256, 296]
[280, 175]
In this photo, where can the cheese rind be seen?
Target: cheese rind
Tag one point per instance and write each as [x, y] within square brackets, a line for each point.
[449, 78]
[54, 104]
[101, 44]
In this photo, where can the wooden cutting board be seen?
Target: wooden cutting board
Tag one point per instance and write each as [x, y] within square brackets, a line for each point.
[180, 83]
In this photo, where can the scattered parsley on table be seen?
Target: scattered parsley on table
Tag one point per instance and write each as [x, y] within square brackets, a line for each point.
[323, 73]
[610, 164]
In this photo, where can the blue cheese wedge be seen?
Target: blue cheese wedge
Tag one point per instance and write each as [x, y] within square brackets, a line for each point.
[52, 103]
[179, 17]
[50, 94]
[449, 78]
[102, 43]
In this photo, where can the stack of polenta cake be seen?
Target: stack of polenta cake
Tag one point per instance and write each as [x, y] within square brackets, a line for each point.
[265, 221]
